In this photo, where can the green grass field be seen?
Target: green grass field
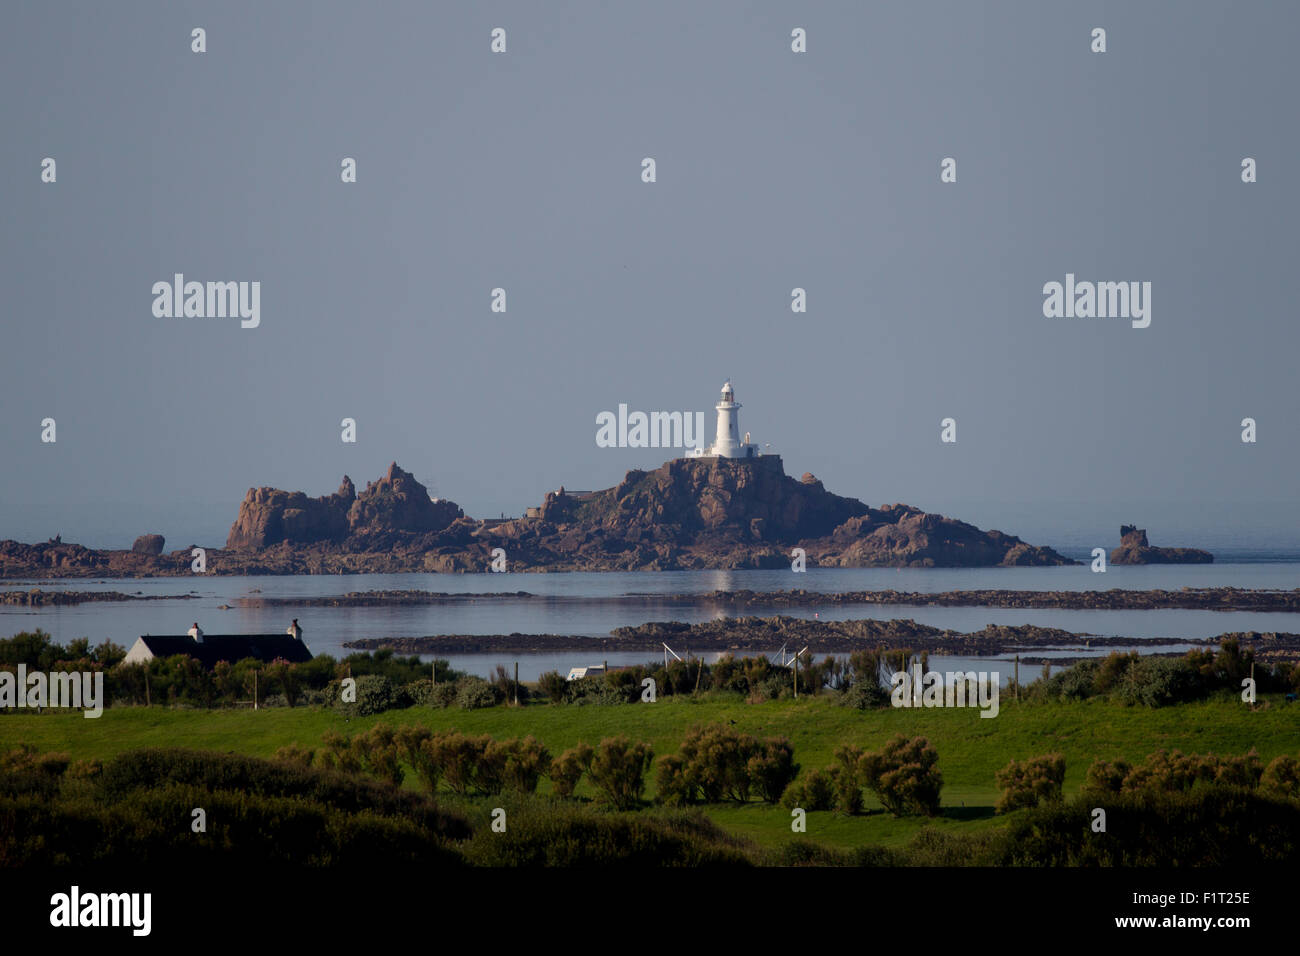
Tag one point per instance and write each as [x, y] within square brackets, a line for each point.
[971, 749]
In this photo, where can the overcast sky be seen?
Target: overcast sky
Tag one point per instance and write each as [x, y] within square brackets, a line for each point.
[775, 170]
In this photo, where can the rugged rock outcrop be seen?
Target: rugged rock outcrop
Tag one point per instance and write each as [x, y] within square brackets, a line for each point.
[396, 504]
[1134, 549]
[690, 513]
[743, 513]
[149, 544]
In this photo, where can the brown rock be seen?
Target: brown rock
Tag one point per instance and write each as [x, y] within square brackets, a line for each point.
[1134, 549]
[149, 544]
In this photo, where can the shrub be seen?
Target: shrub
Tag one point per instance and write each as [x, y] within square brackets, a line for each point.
[375, 694]
[517, 764]
[1079, 681]
[904, 777]
[421, 693]
[293, 754]
[566, 769]
[416, 745]
[473, 693]
[813, 791]
[1165, 772]
[1210, 826]
[375, 752]
[1105, 777]
[846, 779]
[673, 784]
[556, 834]
[552, 685]
[1282, 777]
[593, 690]
[506, 687]
[864, 695]
[716, 762]
[617, 770]
[771, 768]
[1159, 681]
[1030, 782]
[458, 756]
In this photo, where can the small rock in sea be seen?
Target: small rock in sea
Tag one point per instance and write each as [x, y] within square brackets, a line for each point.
[223, 607]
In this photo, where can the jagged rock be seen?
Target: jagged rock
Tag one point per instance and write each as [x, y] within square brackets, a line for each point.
[396, 504]
[269, 516]
[1134, 549]
[149, 544]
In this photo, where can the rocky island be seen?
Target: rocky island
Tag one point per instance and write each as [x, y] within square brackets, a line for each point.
[1134, 549]
[690, 513]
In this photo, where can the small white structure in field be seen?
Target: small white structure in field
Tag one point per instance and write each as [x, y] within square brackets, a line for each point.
[578, 673]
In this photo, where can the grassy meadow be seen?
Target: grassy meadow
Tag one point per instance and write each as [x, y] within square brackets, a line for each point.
[971, 749]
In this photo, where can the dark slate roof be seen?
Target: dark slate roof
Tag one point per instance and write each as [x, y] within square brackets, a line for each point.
[230, 647]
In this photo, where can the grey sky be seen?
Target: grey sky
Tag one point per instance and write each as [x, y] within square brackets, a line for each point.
[775, 170]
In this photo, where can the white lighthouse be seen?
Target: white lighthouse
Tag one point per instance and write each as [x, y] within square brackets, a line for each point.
[727, 442]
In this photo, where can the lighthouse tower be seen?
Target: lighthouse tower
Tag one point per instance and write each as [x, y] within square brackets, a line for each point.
[727, 443]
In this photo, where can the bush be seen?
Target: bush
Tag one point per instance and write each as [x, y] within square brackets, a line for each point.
[375, 752]
[518, 764]
[1160, 681]
[1030, 782]
[771, 768]
[864, 695]
[474, 693]
[1281, 778]
[375, 694]
[552, 685]
[1105, 777]
[458, 757]
[593, 690]
[674, 786]
[555, 834]
[716, 760]
[1210, 826]
[904, 777]
[617, 770]
[846, 779]
[812, 791]
[421, 693]
[295, 755]
[1079, 681]
[127, 816]
[415, 744]
[566, 769]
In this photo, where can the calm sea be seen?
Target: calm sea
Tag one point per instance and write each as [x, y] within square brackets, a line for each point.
[327, 628]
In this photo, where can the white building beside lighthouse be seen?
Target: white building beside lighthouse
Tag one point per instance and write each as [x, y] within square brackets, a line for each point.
[727, 442]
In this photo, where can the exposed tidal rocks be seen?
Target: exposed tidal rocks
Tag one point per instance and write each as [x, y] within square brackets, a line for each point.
[1134, 549]
[769, 634]
[38, 598]
[1116, 599]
